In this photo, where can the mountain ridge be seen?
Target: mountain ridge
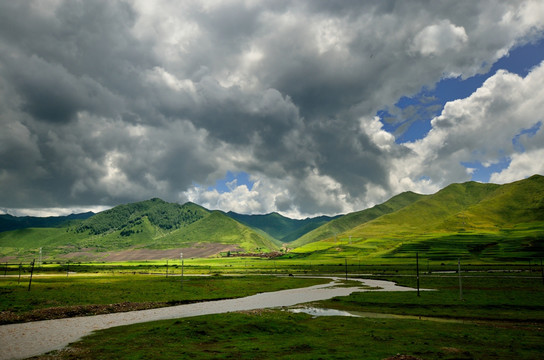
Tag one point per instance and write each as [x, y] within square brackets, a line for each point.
[9, 222]
[465, 220]
[468, 220]
[280, 227]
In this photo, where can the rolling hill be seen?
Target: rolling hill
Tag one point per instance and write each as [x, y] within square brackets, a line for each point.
[349, 221]
[470, 221]
[148, 225]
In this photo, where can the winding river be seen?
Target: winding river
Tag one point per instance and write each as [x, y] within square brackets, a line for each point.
[18, 341]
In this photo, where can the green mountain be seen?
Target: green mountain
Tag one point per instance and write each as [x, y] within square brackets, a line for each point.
[9, 222]
[163, 215]
[280, 227]
[349, 221]
[148, 225]
[216, 227]
[472, 220]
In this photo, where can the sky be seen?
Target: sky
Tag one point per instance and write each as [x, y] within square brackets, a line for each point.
[300, 107]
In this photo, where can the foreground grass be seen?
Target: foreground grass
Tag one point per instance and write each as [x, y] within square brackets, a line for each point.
[498, 318]
[509, 298]
[146, 290]
[275, 334]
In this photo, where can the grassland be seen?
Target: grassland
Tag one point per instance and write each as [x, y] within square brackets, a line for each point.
[500, 317]
[349, 221]
[70, 294]
[482, 297]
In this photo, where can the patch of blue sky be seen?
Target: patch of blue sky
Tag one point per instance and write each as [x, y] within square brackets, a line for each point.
[231, 181]
[518, 139]
[481, 172]
[409, 119]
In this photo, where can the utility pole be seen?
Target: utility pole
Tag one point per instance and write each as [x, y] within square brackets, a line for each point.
[31, 272]
[417, 272]
[346, 262]
[166, 268]
[460, 284]
[40, 261]
[20, 265]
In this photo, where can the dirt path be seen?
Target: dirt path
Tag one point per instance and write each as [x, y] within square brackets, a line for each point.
[19, 341]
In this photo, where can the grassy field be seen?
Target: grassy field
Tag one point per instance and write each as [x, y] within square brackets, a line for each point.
[70, 294]
[500, 317]
[281, 335]
[512, 298]
[304, 265]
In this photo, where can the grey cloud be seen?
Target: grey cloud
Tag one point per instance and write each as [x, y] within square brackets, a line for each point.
[112, 102]
[50, 93]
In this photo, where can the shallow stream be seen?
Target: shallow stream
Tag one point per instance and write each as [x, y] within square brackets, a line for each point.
[19, 341]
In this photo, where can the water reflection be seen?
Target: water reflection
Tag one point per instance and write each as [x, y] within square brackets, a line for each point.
[321, 312]
[371, 315]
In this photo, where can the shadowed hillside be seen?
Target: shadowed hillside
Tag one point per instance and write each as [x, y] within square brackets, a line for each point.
[9, 222]
[280, 227]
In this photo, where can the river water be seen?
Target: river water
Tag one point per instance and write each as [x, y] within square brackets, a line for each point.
[18, 341]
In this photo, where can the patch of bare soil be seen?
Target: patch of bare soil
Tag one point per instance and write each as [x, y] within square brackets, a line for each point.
[194, 251]
[197, 250]
[86, 255]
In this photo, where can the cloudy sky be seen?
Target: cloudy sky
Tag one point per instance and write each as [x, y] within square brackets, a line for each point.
[301, 107]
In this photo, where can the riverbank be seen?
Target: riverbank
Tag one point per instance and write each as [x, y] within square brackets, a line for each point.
[29, 339]
[496, 318]
[56, 296]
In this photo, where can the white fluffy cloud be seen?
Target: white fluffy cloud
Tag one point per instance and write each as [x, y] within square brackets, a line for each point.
[438, 38]
[521, 166]
[481, 128]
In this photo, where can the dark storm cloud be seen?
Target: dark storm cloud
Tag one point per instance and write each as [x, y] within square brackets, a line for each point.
[103, 102]
[352, 160]
[50, 93]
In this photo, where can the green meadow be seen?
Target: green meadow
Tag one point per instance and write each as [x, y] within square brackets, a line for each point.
[143, 291]
[499, 316]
